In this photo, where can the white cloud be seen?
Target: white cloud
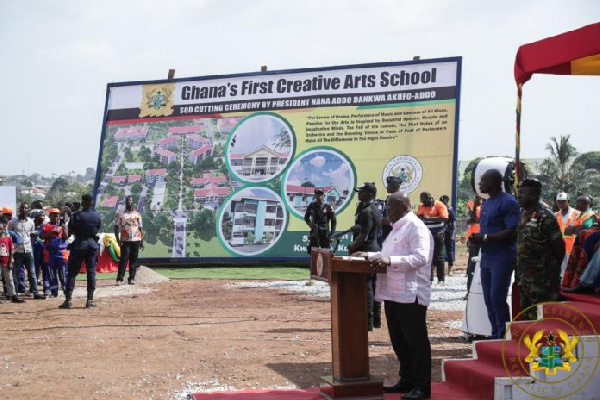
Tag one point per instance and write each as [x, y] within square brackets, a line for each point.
[317, 161]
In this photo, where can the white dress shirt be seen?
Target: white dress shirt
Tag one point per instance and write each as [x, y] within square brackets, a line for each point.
[410, 249]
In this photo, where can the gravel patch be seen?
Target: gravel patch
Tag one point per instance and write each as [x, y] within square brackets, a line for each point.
[144, 276]
[448, 297]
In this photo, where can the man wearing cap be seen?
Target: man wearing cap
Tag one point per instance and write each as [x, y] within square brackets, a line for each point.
[85, 225]
[368, 217]
[540, 250]
[565, 216]
[498, 223]
[434, 214]
[319, 216]
[23, 254]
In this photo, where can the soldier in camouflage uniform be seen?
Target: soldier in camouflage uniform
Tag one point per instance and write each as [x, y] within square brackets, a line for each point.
[540, 250]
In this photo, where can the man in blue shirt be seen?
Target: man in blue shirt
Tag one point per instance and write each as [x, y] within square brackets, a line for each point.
[499, 220]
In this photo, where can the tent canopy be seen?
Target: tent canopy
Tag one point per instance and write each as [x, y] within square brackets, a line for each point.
[571, 53]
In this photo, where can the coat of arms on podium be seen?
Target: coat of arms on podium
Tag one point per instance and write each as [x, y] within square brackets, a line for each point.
[555, 354]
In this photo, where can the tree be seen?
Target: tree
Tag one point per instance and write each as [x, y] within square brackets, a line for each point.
[282, 140]
[250, 238]
[226, 225]
[128, 155]
[555, 171]
[145, 154]
[307, 184]
[59, 184]
[203, 223]
[136, 189]
[90, 173]
[586, 174]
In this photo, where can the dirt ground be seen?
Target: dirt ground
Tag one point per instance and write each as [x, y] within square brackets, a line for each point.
[155, 341]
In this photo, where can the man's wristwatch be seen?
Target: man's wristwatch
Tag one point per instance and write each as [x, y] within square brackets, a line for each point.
[485, 238]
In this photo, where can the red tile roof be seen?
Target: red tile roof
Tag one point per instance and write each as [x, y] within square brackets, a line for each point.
[134, 178]
[119, 178]
[209, 178]
[167, 140]
[201, 150]
[182, 130]
[110, 201]
[132, 132]
[164, 152]
[305, 189]
[155, 172]
[196, 138]
[211, 190]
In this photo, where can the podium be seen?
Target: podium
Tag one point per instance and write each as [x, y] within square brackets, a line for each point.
[349, 335]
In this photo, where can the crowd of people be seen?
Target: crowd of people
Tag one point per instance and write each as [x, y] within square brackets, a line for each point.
[517, 235]
[47, 248]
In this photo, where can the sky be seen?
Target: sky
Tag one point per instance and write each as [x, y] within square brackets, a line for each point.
[309, 167]
[258, 131]
[58, 56]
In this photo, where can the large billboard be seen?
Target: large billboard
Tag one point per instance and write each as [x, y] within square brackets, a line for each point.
[223, 167]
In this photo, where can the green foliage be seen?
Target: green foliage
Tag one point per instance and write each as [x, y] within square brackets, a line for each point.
[465, 191]
[136, 189]
[226, 225]
[203, 223]
[128, 155]
[250, 238]
[556, 173]
[283, 139]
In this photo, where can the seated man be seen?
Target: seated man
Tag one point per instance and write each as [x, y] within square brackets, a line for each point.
[580, 256]
[589, 276]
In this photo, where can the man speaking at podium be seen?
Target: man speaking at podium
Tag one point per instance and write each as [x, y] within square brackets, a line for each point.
[404, 270]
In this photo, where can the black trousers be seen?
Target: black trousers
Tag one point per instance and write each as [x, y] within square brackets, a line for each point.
[437, 263]
[473, 252]
[373, 307]
[321, 240]
[86, 251]
[408, 333]
[129, 253]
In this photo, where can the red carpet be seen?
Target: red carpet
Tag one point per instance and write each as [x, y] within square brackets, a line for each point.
[476, 376]
[469, 378]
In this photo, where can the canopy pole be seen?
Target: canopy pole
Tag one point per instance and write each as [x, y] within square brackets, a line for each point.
[518, 136]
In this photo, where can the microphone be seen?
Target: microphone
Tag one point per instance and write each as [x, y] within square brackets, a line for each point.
[354, 229]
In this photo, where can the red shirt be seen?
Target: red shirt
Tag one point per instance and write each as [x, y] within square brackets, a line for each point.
[6, 249]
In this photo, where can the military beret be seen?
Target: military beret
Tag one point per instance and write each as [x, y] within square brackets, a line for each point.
[393, 180]
[530, 182]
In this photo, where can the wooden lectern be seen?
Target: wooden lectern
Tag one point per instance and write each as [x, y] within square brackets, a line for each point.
[349, 335]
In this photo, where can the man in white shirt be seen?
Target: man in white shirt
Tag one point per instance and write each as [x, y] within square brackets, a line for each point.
[403, 283]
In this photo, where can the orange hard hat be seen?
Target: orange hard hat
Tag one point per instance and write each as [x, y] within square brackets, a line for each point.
[7, 210]
[54, 210]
